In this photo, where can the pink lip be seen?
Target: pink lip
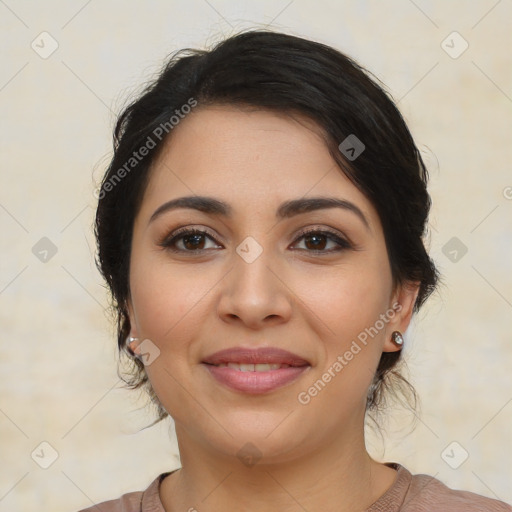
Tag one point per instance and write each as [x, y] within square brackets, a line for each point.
[268, 355]
[255, 382]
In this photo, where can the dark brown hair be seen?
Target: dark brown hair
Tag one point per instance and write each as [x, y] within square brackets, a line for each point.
[284, 73]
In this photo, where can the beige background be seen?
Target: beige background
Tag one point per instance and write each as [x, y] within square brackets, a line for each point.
[57, 363]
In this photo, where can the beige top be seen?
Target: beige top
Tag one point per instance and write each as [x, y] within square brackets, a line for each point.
[409, 493]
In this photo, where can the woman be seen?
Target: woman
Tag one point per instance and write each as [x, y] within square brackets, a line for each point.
[260, 228]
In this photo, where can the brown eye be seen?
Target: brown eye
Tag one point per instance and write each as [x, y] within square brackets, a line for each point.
[195, 241]
[317, 240]
[188, 240]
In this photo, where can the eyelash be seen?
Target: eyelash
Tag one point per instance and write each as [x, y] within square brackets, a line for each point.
[169, 242]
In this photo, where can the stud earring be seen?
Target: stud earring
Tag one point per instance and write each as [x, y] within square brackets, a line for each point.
[129, 341]
[397, 338]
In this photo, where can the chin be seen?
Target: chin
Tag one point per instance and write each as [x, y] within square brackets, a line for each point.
[252, 436]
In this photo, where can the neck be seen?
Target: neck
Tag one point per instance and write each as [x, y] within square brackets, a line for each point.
[341, 476]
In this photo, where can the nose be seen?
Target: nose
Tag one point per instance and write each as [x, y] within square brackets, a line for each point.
[255, 293]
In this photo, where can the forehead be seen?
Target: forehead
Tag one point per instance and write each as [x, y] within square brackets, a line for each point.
[227, 139]
[249, 158]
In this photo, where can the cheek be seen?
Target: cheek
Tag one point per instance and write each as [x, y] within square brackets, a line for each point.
[348, 299]
[350, 355]
[169, 304]
[349, 303]
[167, 299]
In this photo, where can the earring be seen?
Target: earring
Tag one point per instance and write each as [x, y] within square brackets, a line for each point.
[129, 341]
[397, 338]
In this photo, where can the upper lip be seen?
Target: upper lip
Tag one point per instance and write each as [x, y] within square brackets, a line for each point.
[269, 355]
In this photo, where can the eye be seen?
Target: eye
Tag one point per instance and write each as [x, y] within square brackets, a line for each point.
[196, 240]
[187, 240]
[316, 240]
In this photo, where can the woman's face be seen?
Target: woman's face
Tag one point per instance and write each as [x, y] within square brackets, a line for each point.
[251, 280]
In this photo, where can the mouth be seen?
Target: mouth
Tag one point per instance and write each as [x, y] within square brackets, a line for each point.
[255, 371]
[257, 367]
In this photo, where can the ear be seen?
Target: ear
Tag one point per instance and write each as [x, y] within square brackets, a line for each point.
[133, 345]
[402, 303]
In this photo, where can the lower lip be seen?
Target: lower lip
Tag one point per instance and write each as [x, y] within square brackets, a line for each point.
[255, 382]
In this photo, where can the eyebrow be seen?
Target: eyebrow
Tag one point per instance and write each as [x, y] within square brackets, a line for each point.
[286, 210]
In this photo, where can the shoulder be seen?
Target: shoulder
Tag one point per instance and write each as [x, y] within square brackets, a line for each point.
[427, 493]
[133, 501]
[130, 502]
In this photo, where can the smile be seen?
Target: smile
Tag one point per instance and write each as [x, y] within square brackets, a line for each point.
[255, 371]
[259, 367]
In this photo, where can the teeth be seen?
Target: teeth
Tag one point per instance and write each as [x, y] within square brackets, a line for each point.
[259, 367]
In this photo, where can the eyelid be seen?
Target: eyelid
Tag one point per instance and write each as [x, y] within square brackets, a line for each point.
[185, 230]
[343, 242]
